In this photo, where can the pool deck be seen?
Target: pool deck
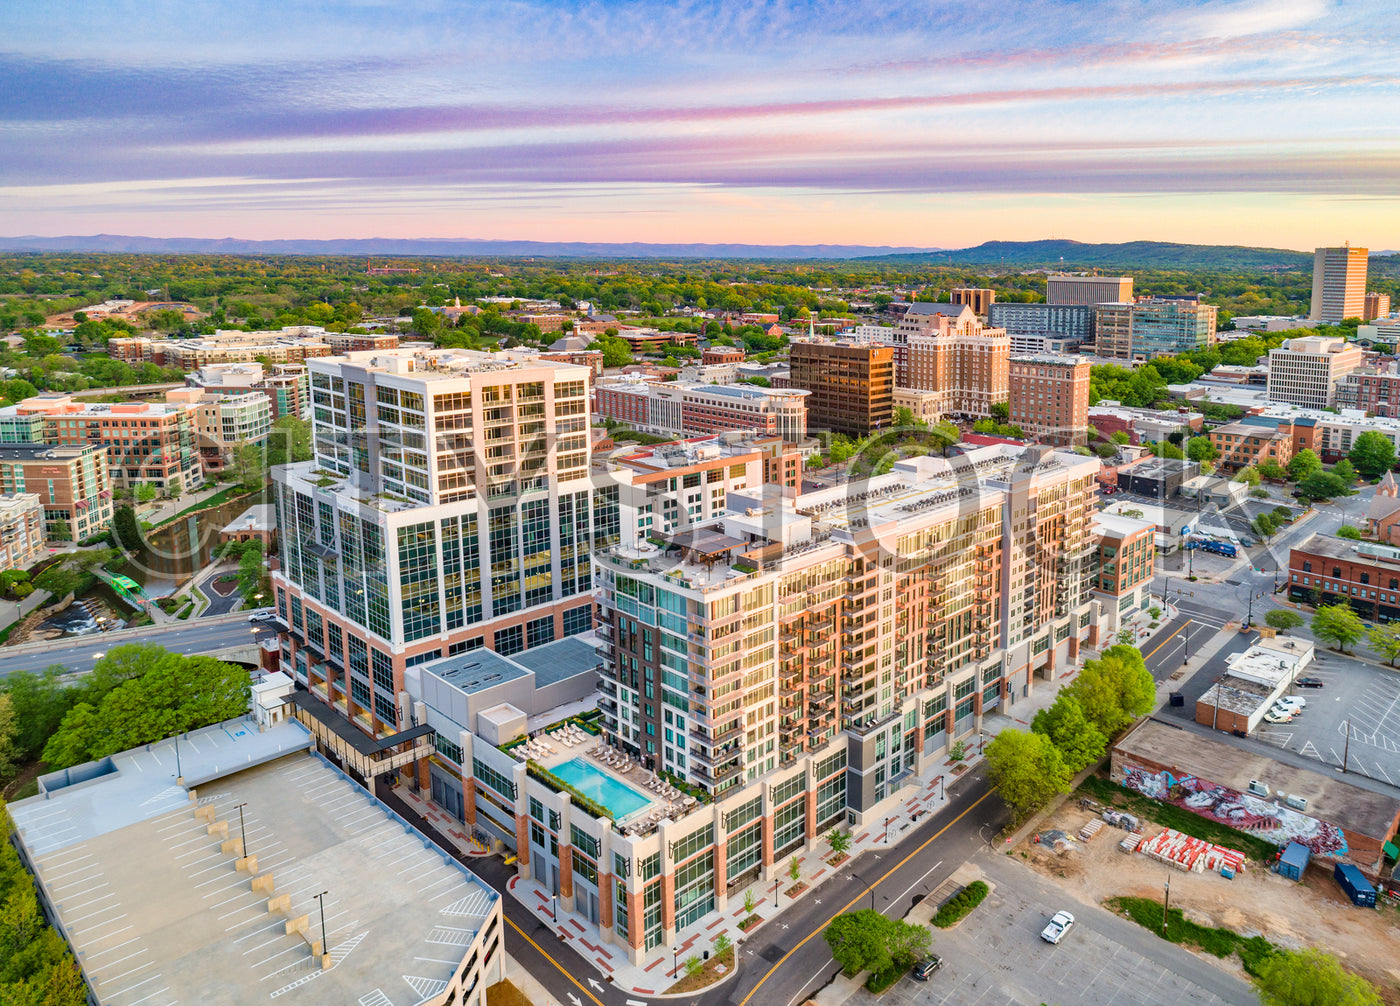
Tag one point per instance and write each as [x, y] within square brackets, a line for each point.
[632, 775]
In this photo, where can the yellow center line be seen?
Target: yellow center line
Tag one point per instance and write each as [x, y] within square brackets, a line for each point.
[551, 960]
[1168, 639]
[861, 895]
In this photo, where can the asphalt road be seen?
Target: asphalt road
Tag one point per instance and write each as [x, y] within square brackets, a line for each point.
[189, 637]
[786, 958]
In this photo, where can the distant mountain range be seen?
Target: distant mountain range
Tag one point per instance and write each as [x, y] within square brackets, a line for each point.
[1139, 254]
[381, 247]
[1026, 254]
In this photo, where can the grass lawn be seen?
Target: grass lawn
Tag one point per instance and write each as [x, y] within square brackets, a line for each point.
[1183, 821]
[222, 496]
[1222, 943]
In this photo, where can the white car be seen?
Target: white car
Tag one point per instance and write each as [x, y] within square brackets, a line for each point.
[262, 616]
[1055, 930]
[1278, 716]
[1291, 702]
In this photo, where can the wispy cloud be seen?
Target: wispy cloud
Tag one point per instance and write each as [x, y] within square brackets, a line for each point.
[279, 103]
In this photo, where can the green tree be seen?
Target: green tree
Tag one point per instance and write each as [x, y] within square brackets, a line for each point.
[248, 467]
[1372, 453]
[1320, 485]
[175, 694]
[1345, 471]
[146, 492]
[10, 754]
[1270, 469]
[1347, 531]
[1201, 449]
[1337, 623]
[1264, 525]
[1114, 690]
[1303, 464]
[839, 841]
[289, 441]
[1079, 742]
[859, 941]
[1311, 977]
[906, 942]
[1027, 769]
[126, 529]
[40, 702]
[1283, 619]
[1385, 640]
[61, 531]
[252, 579]
[1248, 476]
[1120, 438]
[616, 352]
[1166, 449]
[59, 580]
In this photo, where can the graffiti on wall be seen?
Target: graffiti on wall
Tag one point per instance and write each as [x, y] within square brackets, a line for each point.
[1241, 811]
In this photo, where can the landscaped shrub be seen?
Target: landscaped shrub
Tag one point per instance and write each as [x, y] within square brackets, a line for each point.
[963, 902]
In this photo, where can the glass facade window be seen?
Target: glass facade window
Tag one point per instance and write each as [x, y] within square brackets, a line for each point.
[577, 620]
[510, 640]
[418, 580]
[539, 631]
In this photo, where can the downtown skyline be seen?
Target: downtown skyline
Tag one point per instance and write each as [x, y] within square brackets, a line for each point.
[935, 125]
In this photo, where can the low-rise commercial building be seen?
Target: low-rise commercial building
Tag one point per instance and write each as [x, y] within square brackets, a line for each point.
[71, 482]
[1253, 439]
[1142, 426]
[1254, 680]
[22, 531]
[1329, 570]
[1244, 788]
[292, 344]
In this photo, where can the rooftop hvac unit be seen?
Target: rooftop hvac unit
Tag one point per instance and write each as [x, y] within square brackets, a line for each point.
[1258, 788]
[1296, 802]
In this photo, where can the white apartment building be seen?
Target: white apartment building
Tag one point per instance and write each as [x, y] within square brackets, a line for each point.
[1306, 371]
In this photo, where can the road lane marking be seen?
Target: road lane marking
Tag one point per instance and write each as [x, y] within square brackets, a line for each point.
[861, 896]
[1168, 639]
[551, 960]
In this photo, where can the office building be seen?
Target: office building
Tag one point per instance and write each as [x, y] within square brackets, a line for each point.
[1329, 570]
[688, 409]
[1159, 326]
[449, 506]
[1339, 284]
[1049, 398]
[979, 300]
[722, 354]
[147, 443]
[1088, 290]
[1376, 305]
[1251, 440]
[1040, 328]
[71, 482]
[22, 531]
[1306, 371]
[851, 387]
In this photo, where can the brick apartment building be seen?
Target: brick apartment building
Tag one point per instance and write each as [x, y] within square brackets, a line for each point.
[955, 356]
[1049, 398]
[1329, 570]
[70, 480]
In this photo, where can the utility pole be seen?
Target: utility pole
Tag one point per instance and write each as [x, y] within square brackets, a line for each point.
[1346, 748]
[1166, 898]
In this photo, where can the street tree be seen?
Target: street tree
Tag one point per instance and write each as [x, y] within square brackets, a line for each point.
[1114, 690]
[1283, 619]
[249, 468]
[907, 942]
[1269, 469]
[859, 941]
[1201, 449]
[839, 841]
[1349, 531]
[1345, 471]
[1079, 742]
[1304, 463]
[1248, 476]
[1027, 769]
[1338, 624]
[9, 750]
[40, 702]
[1320, 485]
[1372, 453]
[1385, 640]
[1311, 977]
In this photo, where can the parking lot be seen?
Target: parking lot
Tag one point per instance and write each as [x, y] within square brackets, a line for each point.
[1358, 697]
[995, 957]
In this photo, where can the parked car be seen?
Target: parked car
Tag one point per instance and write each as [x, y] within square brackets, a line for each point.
[1059, 925]
[1292, 701]
[1246, 541]
[1309, 682]
[1275, 716]
[262, 616]
[924, 970]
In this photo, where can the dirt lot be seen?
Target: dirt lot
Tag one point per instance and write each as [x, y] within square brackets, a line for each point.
[1255, 902]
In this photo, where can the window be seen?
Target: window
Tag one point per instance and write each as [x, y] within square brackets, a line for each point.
[511, 640]
[539, 631]
[694, 842]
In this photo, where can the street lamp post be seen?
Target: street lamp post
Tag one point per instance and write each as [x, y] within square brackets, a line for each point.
[554, 907]
[320, 900]
[1166, 897]
[675, 961]
[1185, 646]
[887, 830]
[242, 832]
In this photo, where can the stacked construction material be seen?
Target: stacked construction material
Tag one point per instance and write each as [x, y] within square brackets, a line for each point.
[1131, 843]
[1190, 854]
[1090, 830]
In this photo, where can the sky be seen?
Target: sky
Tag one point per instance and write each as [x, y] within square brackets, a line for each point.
[924, 123]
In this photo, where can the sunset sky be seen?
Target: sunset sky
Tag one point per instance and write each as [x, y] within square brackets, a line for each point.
[922, 123]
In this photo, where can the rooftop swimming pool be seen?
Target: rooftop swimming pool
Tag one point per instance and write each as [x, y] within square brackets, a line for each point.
[592, 782]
